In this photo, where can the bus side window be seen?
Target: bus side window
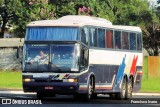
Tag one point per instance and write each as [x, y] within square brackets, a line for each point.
[132, 41]
[117, 38]
[139, 42]
[84, 36]
[93, 37]
[125, 41]
[109, 39]
[101, 38]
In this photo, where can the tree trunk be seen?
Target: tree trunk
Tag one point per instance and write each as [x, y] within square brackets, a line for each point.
[3, 28]
[156, 53]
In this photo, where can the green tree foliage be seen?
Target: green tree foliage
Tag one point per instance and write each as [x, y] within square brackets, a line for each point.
[31, 10]
[150, 25]
[151, 39]
[63, 7]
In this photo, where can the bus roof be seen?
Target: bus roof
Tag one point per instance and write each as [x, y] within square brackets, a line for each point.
[81, 20]
[125, 28]
[73, 20]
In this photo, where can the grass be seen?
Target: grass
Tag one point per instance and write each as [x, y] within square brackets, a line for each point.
[10, 80]
[150, 85]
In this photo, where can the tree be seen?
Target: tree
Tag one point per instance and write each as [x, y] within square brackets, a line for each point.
[151, 39]
[31, 10]
[150, 25]
[6, 13]
[64, 7]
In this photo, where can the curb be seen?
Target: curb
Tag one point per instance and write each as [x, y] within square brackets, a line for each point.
[147, 94]
[7, 89]
[14, 92]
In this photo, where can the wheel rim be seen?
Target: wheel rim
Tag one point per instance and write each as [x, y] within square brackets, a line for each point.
[130, 89]
[90, 89]
[124, 89]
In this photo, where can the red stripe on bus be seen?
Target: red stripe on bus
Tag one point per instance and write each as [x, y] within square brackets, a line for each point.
[133, 67]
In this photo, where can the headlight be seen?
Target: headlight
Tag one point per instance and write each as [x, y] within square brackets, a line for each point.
[72, 80]
[28, 80]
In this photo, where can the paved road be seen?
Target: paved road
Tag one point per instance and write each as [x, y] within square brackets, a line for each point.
[69, 101]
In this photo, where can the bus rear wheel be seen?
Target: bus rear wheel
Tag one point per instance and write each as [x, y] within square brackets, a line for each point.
[122, 95]
[129, 89]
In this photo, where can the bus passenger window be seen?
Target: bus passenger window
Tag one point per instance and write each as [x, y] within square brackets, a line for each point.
[125, 41]
[101, 38]
[109, 39]
[84, 36]
[139, 42]
[132, 41]
[117, 37]
[93, 37]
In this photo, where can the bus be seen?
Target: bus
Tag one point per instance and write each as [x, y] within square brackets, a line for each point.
[82, 56]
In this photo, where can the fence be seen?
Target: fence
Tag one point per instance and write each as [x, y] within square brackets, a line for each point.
[151, 67]
[9, 53]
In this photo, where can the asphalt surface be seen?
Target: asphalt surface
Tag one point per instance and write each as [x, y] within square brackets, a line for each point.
[18, 97]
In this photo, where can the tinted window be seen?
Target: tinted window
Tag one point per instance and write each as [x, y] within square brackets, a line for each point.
[52, 33]
[125, 41]
[36, 57]
[139, 42]
[84, 35]
[132, 41]
[117, 38]
[101, 38]
[93, 37]
[109, 39]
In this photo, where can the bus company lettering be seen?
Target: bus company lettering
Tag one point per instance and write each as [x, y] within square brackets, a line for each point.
[14, 101]
[34, 102]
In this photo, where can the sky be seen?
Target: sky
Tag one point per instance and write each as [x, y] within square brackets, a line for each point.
[153, 1]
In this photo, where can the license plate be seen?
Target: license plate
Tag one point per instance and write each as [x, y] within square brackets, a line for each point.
[48, 88]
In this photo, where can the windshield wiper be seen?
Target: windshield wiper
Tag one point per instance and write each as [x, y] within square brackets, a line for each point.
[55, 66]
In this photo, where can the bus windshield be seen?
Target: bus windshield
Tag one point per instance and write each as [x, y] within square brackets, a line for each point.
[52, 34]
[50, 58]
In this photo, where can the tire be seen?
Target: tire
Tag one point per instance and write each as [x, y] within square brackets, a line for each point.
[89, 93]
[78, 96]
[129, 89]
[94, 95]
[122, 95]
[40, 96]
[112, 96]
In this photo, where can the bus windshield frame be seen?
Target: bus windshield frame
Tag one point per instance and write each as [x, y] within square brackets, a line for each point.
[58, 58]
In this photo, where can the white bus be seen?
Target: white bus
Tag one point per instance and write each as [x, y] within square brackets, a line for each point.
[82, 56]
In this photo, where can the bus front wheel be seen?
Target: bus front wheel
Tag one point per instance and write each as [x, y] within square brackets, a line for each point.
[90, 89]
[40, 96]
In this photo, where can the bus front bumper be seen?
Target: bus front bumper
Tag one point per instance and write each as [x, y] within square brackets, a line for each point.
[52, 87]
